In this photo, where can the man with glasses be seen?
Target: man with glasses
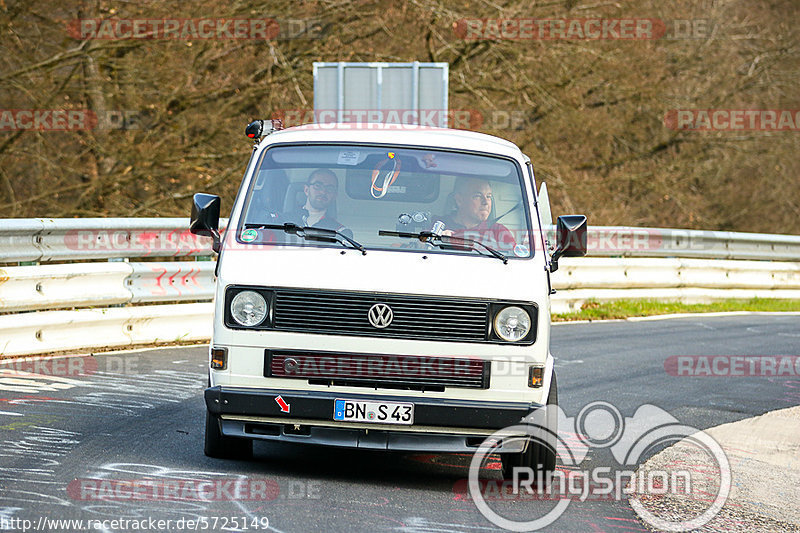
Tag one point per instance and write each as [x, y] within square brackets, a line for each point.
[473, 201]
[320, 191]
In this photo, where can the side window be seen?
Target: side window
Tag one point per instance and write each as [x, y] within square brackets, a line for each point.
[269, 191]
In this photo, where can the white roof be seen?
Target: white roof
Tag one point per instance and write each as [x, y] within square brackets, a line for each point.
[401, 134]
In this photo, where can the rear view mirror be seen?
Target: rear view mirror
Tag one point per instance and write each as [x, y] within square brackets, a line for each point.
[205, 217]
[570, 238]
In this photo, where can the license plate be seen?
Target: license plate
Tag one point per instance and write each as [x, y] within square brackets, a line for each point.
[377, 412]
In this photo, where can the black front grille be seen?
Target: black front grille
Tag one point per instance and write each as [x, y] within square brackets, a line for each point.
[378, 370]
[346, 313]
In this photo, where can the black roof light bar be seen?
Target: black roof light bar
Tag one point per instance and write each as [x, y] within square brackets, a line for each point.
[255, 130]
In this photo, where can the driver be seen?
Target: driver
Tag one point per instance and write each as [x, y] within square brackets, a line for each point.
[320, 191]
[473, 199]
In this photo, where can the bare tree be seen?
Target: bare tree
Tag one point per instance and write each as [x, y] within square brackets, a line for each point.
[171, 111]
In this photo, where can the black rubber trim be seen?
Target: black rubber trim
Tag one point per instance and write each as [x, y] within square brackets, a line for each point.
[313, 405]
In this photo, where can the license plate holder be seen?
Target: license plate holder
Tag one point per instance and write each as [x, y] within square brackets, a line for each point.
[373, 412]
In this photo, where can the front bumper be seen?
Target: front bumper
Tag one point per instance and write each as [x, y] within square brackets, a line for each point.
[440, 425]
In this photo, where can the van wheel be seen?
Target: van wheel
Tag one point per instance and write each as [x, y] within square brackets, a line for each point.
[219, 446]
[539, 456]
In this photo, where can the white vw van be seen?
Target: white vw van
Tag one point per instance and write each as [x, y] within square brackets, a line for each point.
[384, 287]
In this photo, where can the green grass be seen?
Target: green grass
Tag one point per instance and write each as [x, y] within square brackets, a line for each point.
[592, 310]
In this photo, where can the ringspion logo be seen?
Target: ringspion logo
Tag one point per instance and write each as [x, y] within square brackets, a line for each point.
[630, 440]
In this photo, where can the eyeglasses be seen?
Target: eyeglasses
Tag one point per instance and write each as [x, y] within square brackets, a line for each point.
[480, 196]
[319, 187]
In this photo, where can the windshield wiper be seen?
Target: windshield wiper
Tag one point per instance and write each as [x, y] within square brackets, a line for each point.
[446, 242]
[312, 233]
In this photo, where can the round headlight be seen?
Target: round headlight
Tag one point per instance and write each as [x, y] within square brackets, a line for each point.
[249, 308]
[512, 324]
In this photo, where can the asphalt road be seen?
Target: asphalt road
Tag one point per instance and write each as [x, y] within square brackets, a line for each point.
[140, 415]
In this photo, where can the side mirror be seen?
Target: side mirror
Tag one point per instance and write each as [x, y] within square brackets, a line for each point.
[544, 206]
[205, 217]
[570, 238]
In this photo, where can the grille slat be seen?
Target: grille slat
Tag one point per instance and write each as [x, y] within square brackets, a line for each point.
[305, 302]
[361, 311]
[404, 321]
[345, 313]
[365, 332]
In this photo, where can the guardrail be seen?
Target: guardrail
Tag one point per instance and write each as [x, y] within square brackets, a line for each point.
[673, 279]
[44, 240]
[32, 288]
[606, 241]
[49, 307]
[81, 239]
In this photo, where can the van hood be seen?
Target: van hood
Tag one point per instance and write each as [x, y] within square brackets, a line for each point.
[471, 276]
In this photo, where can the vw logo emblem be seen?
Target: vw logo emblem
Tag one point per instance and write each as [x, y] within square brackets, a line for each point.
[380, 315]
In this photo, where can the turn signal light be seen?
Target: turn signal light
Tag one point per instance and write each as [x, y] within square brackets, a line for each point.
[219, 358]
[536, 377]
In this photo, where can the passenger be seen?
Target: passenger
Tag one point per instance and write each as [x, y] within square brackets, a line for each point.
[473, 201]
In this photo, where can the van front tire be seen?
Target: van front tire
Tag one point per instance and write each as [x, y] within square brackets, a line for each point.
[538, 456]
[219, 446]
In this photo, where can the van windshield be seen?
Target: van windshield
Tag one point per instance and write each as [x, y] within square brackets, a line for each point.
[359, 191]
